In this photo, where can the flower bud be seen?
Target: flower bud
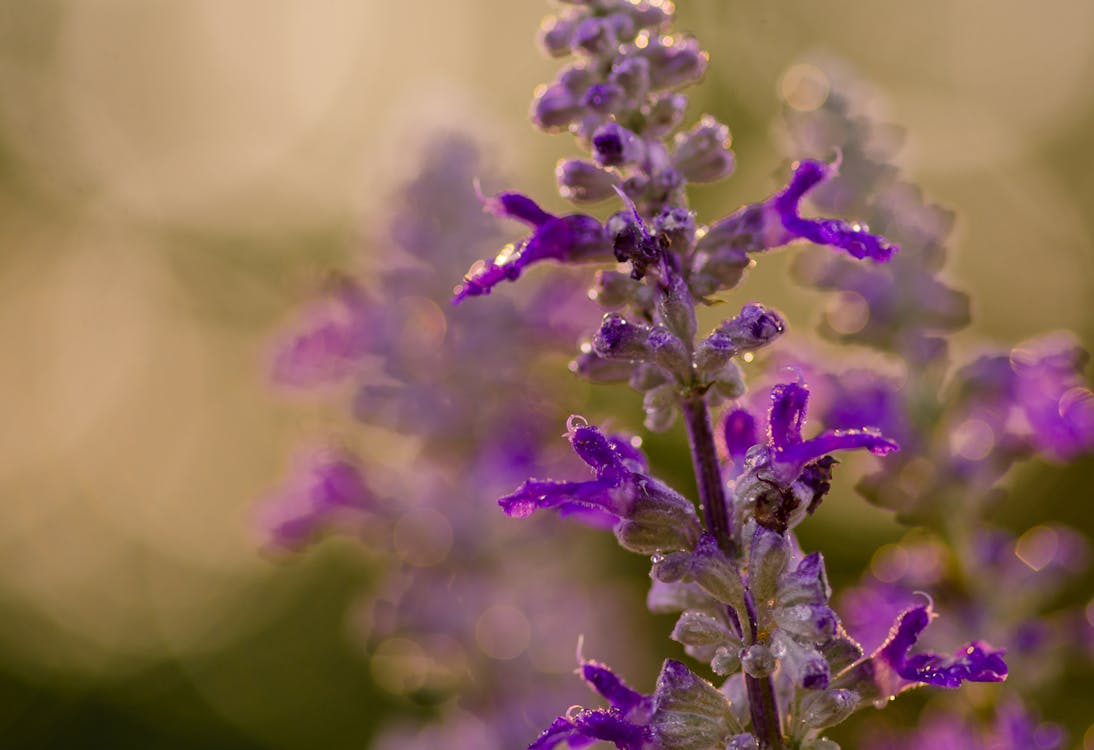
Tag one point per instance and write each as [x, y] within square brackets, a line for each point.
[594, 36]
[584, 182]
[690, 713]
[768, 557]
[668, 351]
[555, 33]
[664, 114]
[554, 108]
[813, 623]
[615, 146]
[597, 369]
[840, 652]
[713, 353]
[754, 327]
[676, 308]
[826, 709]
[726, 661]
[730, 381]
[702, 154]
[673, 61]
[671, 567]
[716, 574]
[803, 662]
[646, 377]
[654, 526]
[700, 629]
[613, 289]
[619, 339]
[758, 661]
[660, 407]
[678, 224]
[806, 584]
[604, 98]
[632, 75]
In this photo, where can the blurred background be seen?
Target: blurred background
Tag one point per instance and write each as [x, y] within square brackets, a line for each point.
[177, 177]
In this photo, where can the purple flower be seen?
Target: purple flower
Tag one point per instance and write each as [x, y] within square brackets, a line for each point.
[568, 239]
[789, 453]
[973, 662]
[625, 723]
[648, 515]
[324, 489]
[777, 221]
[619, 469]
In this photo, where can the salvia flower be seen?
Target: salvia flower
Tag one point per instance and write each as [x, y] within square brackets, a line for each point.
[974, 662]
[568, 239]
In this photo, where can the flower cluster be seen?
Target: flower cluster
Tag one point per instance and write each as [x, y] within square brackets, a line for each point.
[753, 605]
[776, 665]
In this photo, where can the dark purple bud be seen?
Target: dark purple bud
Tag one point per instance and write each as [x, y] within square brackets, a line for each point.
[584, 182]
[615, 146]
[620, 339]
[754, 326]
[634, 242]
[702, 154]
